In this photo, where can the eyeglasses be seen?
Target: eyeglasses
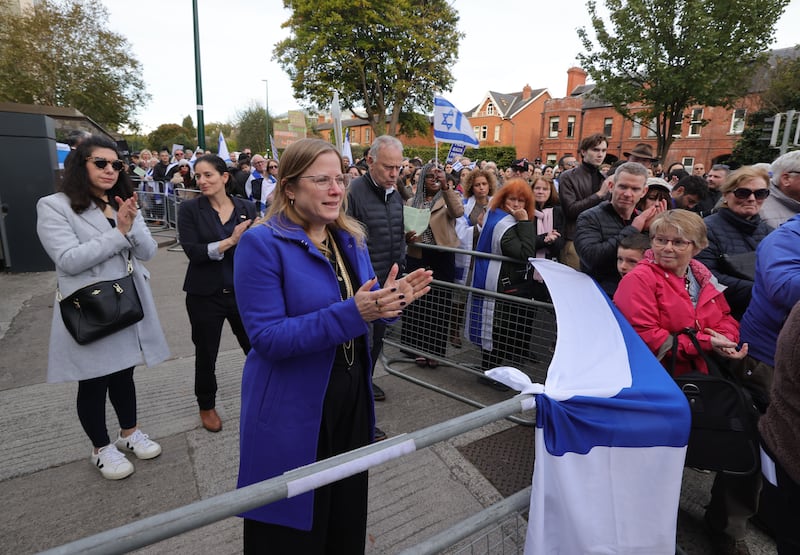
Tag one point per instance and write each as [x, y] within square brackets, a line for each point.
[323, 182]
[677, 244]
[101, 163]
[272, 167]
[744, 194]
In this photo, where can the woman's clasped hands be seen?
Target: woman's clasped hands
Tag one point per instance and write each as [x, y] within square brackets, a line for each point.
[394, 296]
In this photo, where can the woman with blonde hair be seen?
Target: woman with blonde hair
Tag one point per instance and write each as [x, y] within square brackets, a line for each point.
[306, 292]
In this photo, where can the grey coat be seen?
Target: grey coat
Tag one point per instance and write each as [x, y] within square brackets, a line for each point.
[86, 249]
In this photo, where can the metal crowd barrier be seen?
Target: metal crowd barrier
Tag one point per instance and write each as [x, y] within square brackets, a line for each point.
[165, 525]
[523, 333]
[159, 202]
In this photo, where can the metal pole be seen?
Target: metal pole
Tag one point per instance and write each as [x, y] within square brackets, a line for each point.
[198, 81]
[266, 120]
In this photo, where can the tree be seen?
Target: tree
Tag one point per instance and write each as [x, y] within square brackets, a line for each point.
[384, 58]
[668, 55]
[251, 128]
[61, 54]
[188, 124]
[783, 91]
[752, 147]
[168, 134]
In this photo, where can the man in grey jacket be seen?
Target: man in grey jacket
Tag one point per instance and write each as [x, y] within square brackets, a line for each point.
[783, 201]
[373, 200]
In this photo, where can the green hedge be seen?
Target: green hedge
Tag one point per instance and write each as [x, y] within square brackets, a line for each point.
[502, 155]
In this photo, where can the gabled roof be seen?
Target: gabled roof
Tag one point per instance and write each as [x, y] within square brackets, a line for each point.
[508, 104]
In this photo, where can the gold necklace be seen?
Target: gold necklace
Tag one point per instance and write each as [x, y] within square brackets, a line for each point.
[342, 275]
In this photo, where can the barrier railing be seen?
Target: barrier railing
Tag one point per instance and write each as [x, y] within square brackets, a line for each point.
[207, 511]
[437, 327]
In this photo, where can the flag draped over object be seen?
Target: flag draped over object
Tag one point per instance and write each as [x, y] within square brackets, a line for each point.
[611, 431]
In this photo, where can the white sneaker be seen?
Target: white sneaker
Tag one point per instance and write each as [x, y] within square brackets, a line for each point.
[140, 445]
[111, 463]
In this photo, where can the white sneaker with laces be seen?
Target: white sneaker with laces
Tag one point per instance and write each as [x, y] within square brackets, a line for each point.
[111, 463]
[140, 445]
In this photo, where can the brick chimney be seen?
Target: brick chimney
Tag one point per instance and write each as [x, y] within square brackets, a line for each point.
[575, 78]
[526, 92]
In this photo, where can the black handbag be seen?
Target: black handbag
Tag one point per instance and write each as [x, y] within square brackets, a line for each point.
[724, 433]
[102, 308]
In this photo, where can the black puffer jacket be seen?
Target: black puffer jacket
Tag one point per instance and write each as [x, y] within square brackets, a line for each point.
[731, 234]
[382, 218]
[597, 236]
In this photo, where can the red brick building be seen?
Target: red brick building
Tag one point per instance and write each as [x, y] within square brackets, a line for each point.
[706, 135]
[503, 119]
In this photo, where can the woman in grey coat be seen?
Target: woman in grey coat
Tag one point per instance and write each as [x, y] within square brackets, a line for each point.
[89, 228]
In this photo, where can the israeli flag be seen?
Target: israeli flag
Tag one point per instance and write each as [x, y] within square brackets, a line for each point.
[222, 149]
[450, 125]
[611, 431]
[62, 149]
[274, 150]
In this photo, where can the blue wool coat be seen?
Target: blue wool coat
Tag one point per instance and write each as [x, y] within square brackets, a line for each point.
[290, 304]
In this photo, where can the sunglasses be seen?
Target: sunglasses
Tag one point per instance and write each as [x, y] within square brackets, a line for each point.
[273, 167]
[101, 163]
[744, 194]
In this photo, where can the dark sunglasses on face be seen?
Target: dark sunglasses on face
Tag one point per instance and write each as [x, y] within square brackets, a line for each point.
[101, 163]
[744, 194]
[273, 167]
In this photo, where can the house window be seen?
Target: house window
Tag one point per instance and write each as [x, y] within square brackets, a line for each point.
[688, 163]
[554, 127]
[477, 130]
[490, 109]
[570, 127]
[367, 133]
[636, 128]
[651, 131]
[484, 132]
[737, 121]
[551, 159]
[608, 125]
[696, 123]
[497, 133]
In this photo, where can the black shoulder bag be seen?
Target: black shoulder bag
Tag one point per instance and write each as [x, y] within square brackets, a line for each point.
[102, 308]
[724, 434]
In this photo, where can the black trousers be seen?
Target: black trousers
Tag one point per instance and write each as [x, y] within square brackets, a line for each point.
[426, 322]
[512, 329]
[92, 404]
[340, 509]
[780, 509]
[207, 314]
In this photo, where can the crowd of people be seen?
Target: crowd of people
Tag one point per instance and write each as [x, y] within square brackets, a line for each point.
[325, 239]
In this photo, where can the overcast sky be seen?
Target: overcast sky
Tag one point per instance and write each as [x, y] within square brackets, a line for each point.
[507, 44]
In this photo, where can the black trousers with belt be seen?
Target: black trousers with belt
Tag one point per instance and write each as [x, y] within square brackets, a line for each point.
[207, 314]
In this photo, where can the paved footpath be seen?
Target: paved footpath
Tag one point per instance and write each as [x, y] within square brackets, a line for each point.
[52, 494]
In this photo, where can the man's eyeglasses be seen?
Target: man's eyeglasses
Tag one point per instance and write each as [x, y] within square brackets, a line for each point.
[323, 182]
[101, 163]
[744, 194]
[677, 244]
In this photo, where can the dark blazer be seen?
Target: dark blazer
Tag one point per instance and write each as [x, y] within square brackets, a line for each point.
[197, 228]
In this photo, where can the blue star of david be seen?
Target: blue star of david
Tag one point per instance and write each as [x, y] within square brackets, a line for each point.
[445, 117]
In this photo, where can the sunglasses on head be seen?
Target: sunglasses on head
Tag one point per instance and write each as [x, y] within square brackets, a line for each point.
[744, 194]
[101, 163]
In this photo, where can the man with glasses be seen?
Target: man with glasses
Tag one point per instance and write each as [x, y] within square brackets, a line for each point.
[373, 200]
[600, 229]
[784, 199]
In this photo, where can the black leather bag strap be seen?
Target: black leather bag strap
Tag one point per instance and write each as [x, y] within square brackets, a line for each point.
[714, 369]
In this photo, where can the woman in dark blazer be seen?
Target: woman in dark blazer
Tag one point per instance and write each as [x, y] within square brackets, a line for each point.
[210, 227]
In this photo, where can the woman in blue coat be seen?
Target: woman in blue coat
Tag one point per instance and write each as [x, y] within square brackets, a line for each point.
[306, 291]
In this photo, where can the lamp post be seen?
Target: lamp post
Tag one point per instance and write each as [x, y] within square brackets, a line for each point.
[201, 126]
[266, 119]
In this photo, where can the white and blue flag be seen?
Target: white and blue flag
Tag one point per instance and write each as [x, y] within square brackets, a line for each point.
[450, 125]
[62, 149]
[346, 150]
[222, 148]
[611, 431]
